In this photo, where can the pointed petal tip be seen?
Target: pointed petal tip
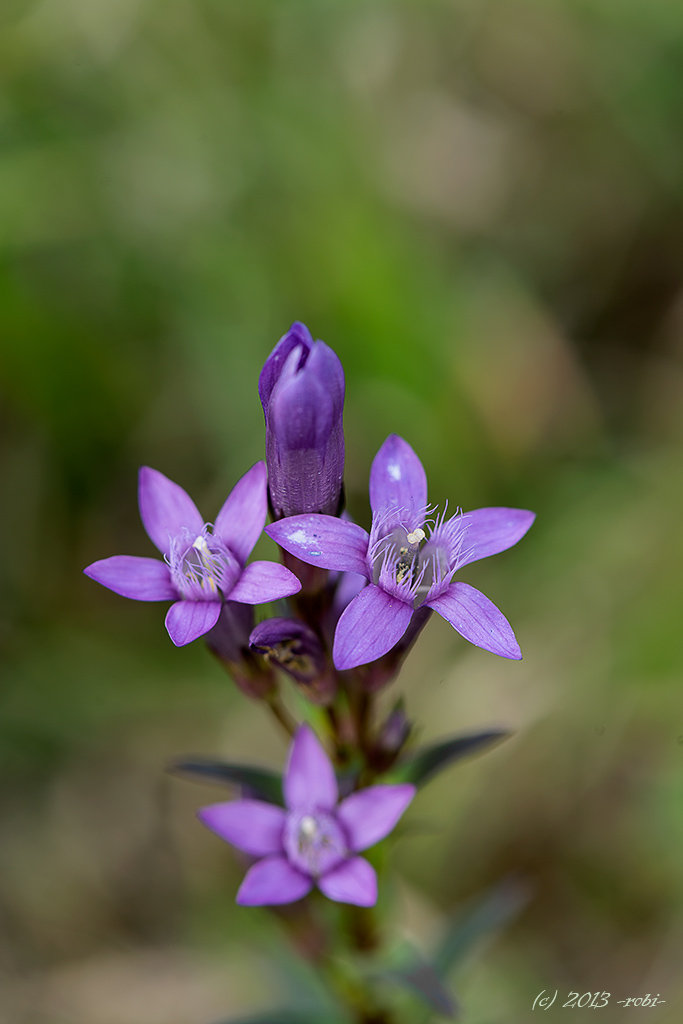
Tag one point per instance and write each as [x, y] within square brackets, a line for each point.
[477, 619]
[323, 540]
[369, 815]
[488, 531]
[369, 627]
[141, 579]
[354, 881]
[309, 779]
[188, 620]
[166, 509]
[263, 581]
[243, 514]
[272, 882]
[397, 478]
[253, 826]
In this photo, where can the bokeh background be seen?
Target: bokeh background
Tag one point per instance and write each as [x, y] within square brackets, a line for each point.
[479, 205]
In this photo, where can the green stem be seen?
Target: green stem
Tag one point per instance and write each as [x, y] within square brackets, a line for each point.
[280, 713]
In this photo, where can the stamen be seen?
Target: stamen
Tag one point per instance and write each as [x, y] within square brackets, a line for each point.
[201, 567]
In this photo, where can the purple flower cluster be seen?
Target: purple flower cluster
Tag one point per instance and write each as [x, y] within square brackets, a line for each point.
[345, 630]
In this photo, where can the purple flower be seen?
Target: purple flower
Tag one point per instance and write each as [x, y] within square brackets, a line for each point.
[409, 559]
[203, 565]
[301, 388]
[315, 840]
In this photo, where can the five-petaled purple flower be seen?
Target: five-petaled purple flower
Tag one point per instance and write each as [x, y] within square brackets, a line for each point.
[315, 840]
[203, 566]
[409, 559]
[301, 388]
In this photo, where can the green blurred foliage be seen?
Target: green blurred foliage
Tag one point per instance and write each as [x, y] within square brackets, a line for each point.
[478, 204]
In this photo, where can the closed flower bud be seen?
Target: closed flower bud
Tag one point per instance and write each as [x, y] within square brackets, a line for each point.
[301, 388]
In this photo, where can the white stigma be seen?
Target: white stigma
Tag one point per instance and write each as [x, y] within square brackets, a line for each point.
[308, 827]
[416, 536]
[201, 545]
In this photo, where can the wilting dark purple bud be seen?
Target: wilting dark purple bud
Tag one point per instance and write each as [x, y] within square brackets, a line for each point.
[229, 641]
[295, 648]
[301, 388]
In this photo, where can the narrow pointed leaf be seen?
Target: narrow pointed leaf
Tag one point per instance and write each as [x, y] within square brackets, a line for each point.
[480, 919]
[420, 978]
[424, 764]
[256, 782]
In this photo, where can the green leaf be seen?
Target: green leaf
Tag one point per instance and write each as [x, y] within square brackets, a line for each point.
[480, 919]
[419, 977]
[423, 765]
[258, 782]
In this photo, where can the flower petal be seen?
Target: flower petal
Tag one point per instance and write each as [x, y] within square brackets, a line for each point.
[240, 522]
[143, 579]
[187, 620]
[297, 335]
[309, 780]
[301, 413]
[477, 619]
[369, 627]
[349, 586]
[320, 540]
[272, 881]
[490, 530]
[166, 509]
[264, 581]
[253, 826]
[372, 813]
[325, 365]
[397, 479]
[354, 881]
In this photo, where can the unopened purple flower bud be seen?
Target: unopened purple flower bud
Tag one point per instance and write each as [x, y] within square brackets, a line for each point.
[296, 649]
[301, 388]
[229, 642]
[394, 731]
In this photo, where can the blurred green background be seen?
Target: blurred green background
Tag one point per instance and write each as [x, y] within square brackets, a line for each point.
[479, 205]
